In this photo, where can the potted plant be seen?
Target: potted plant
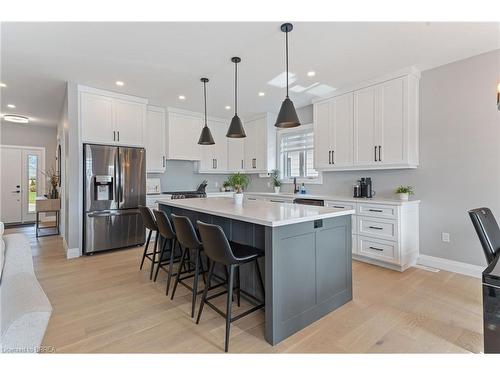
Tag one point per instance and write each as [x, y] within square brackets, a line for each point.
[275, 177]
[404, 192]
[226, 185]
[238, 181]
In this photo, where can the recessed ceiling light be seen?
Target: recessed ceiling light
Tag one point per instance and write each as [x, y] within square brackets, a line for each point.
[2, 84]
[262, 93]
[120, 83]
[16, 118]
[228, 107]
[311, 74]
[182, 97]
[11, 106]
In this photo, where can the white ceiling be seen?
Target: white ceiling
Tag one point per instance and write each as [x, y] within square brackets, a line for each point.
[160, 61]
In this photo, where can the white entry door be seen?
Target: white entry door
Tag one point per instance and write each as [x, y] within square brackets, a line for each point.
[22, 181]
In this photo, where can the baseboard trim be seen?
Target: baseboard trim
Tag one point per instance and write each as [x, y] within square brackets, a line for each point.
[73, 253]
[451, 265]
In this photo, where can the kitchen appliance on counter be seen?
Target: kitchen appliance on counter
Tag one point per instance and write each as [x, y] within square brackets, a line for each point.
[114, 187]
[200, 192]
[363, 188]
[489, 235]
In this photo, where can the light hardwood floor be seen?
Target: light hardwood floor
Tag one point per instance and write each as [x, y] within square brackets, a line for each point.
[104, 304]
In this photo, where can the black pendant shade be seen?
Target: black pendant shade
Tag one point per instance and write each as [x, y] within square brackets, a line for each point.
[287, 117]
[236, 127]
[206, 135]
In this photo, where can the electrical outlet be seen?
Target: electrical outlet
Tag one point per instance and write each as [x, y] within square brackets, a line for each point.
[268, 184]
[445, 237]
[216, 184]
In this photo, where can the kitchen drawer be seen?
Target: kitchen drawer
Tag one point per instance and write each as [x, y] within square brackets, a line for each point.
[280, 200]
[378, 210]
[381, 228]
[254, 198]
[383, 250]
[346, 206]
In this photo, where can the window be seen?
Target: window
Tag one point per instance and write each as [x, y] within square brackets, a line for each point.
[296, 154]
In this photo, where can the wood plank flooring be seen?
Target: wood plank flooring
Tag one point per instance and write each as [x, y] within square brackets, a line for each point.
[104, 304]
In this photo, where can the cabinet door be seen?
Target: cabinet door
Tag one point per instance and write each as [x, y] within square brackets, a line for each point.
[96, 118]
[183, 134]
[235, 154]
[251, 146]
[341, 131]
[155, 141]
[214, 157]
[130, 118]
[322, 151]
[365, 131]
[392, 124]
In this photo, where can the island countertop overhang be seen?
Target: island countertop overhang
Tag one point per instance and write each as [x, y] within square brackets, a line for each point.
[271, 214]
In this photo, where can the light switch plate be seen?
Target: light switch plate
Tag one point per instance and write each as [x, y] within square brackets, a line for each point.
[445, 237]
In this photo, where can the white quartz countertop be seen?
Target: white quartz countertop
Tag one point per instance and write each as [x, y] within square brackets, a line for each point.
[270, 214]
[334, 198]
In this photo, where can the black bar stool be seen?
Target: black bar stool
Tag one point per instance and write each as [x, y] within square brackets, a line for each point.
[188, 241]
[218, 250]
[150, 223]
[166, 231]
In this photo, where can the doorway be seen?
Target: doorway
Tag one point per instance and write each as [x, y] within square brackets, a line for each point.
[22, 180]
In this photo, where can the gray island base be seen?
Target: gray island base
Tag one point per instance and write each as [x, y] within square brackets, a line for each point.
[308, 264]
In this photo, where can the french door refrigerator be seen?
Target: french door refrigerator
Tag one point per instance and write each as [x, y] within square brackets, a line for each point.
[114, 187]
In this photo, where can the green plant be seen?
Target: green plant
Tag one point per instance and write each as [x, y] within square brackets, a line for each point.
[238, 181]
[405, 190]
[275, 176]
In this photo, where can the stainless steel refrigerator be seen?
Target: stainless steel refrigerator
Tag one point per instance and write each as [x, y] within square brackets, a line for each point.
[114, 187]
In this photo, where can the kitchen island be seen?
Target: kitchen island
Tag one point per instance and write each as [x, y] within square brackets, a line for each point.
[307, 262]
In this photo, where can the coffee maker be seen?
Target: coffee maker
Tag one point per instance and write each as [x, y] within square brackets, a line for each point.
[363, 189]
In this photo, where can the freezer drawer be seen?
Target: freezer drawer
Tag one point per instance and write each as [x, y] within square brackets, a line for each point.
[112, 230]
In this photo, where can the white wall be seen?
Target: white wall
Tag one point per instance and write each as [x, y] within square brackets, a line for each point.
[459, 157]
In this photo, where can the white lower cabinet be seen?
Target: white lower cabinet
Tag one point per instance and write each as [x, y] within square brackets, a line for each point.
[386, 235]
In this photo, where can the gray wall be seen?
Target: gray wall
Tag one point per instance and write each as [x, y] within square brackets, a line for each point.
[32, 136]
[459, 157]
[183, 175]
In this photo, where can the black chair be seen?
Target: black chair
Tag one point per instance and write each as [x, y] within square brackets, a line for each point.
[488, 231]
[150, 223]
[188, 241]
[218, 249]
[170, 240]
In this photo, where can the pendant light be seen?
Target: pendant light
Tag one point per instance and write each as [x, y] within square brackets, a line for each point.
[287, 117]
[205, 136]
[236, 127]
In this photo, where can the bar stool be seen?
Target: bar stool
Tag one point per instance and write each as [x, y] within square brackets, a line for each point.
[150, 223]
[166, 231]
[218, 249]
[188, 241]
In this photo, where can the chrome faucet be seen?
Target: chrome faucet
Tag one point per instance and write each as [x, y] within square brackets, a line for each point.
[295, 188]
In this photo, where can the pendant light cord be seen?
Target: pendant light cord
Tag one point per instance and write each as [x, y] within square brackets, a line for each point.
[205, 98]
[286, 49]
[235, 88]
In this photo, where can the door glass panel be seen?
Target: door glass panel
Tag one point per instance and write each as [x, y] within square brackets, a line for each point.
[32, 182]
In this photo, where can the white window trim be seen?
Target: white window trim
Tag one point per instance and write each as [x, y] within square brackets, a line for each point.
[279, 134]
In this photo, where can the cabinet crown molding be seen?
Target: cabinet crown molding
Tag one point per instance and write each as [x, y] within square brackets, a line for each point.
[111, 94]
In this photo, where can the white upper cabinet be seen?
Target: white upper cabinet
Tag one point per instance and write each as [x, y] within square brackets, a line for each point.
[183, 132]
[214, 157]
[374, 126]
[155, 140]
[333, 133]
[260, 144]
[235, 154]
[110, 118]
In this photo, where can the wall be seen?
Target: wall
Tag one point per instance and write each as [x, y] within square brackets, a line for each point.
[459, 157]
[183, 175]
[34, 136]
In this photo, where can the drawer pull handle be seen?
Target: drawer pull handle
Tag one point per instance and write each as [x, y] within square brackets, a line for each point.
[376, 248]
[372, 210]
[338, 207]
[375, 228]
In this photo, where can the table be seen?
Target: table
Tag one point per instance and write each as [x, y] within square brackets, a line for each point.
[47, 205]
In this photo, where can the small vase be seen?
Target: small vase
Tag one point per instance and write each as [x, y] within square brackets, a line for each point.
[403, 196]
[238, 198]
[277, 189]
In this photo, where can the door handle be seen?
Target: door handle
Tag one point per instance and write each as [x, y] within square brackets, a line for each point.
[241, 163]
[163, 157]
[379, 153]
[376, 248]
[16, 191]
[216, 164]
